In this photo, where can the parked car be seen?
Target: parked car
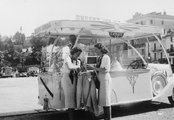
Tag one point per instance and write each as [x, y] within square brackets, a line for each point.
[32, 71]
[32, 74]
[6, 72]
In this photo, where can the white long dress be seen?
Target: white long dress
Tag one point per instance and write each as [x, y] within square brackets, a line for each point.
[105, 82]
[69, 87]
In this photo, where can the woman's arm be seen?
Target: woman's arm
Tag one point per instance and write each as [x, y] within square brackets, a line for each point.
[71, 65]
[100, 69]
[105, 64]
[97, 69]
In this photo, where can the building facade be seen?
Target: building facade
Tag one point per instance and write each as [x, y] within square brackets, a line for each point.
[166, 22]
[155, 19]
[169, 44]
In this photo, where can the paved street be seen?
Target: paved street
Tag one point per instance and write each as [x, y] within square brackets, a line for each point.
[20, 94]
[144, 111]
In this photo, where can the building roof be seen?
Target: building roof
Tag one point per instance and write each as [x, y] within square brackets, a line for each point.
[151, 15]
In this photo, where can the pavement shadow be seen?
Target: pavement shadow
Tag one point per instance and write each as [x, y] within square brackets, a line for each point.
[117, 111]
[48, 115]
[138, 108]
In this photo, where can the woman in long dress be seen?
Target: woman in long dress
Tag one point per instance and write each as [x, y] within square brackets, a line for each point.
[104, 78]
[69, 84]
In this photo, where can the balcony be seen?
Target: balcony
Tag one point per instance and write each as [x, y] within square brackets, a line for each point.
[170, 51]
[156, 50]
[138, 46]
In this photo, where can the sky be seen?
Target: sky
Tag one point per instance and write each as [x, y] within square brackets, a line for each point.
[30, 14]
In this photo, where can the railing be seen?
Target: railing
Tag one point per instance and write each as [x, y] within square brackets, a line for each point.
[156, 50]
[170, 50]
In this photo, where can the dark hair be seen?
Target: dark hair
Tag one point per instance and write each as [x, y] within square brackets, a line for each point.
[51, 40]
[75, 50]
[72, 39]
[101, 47]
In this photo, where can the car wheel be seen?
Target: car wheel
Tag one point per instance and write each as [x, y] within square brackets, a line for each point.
[158, 82]
[171, 98]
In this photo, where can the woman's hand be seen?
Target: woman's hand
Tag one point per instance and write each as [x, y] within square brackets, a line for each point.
[96, 69]
[90, 67]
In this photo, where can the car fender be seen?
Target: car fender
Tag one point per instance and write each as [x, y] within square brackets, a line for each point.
[167, 91]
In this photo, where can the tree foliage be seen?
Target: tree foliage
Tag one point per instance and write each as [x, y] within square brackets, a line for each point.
[11, 57]
[19, 38]
[11, 50]
[36, 45]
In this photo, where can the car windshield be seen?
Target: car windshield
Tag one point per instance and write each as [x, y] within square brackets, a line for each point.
[137, 52]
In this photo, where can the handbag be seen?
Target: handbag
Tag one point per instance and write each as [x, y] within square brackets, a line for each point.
[95, 79]
[73, 76]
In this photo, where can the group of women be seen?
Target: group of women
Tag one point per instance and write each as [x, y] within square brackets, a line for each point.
[74, 74]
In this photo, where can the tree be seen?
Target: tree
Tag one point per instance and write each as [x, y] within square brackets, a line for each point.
[11, 57]
[1, 45]
[1, 59]
[2, 42]
[19, 38]
[36, 45]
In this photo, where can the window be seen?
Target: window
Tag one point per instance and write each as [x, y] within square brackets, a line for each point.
[171, 48]
[125, 46]
[143, 51]
[164, 31]
[162, 22]
[132, 42]
[154, 46]
[154, 56]
[161, 55]
[171, 38]
[151, 21]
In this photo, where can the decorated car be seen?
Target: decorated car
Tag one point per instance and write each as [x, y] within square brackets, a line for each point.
[139, 72]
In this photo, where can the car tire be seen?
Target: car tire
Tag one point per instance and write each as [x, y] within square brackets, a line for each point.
[171, 98]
